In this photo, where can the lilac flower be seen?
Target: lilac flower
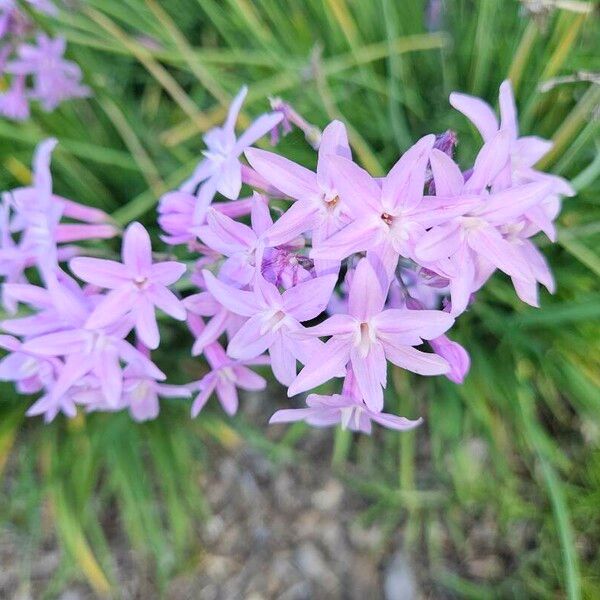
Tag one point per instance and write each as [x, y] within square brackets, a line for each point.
[35, 213]
[221, 170]
[225, 377]
[273, 319]
[14, 103]
[141, 392]
[54, 78]
[317, 207]
[473, 243]
[390, 218]
[325, 411]
[176, 215]
[524, 151]
[345, 409]
[368, 335]
[137, 285]
[58, 331]
[30, 373]
[238, 242]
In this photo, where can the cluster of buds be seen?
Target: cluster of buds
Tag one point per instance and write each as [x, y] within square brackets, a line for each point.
[319, 275]
[33, 64]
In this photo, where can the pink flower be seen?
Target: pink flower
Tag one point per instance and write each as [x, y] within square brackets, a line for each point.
[141, 392]
[273, 319]
[474, 243]
[221, 169]
[14, 103]
[317, 207]
[137, 285]
[369, 335]
[240, 243]
[225, 377]
[54, 78]
[325, 411]
[388, 218]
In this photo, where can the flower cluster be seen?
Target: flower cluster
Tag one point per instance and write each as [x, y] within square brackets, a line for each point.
[34, 63]
[322, 275]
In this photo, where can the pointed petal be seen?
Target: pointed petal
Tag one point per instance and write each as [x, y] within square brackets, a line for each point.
[202, 398]
[508, 110]
[167, 272]
[250, 341]
[335, 325]
[309, 299]
[99, 271]
[394, 422]
[507, 205]
[260, 216]
[57, 344]
[370, 373]
[439, 242]
[229, 179]
[146, 326]
[358, 190]
[327, 364]
[368, 291]
[283, 362]
[260, 127]
[492, 158]
[412, 326]
[228, 397]
[167, 301]
[359, 235]
[490, 244]
[290, 415]
[478, 112]
[234, 109]
[403, 186]
[449, 180]
[249, 380]
[237, 301]
[292, 179]
[137, 250]
[411, 359]
[334, 142]
[112, 307]
[297, 219]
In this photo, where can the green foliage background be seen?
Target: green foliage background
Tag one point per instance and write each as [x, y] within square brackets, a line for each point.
[163, 73]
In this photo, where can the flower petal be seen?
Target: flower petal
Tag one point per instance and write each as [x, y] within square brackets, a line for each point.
[99, 271]
[478, 112]
[137, 249]
[237, 301]
[250, 341]
[328, 363]
[309, 299]
[411, 359]
[292, 179]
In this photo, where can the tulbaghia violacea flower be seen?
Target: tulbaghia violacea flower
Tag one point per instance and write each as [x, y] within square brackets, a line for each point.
[346, 409]
[137, 285]
[355, 272]
[35, 214]
[225, 377]
[55, 79]
[388, 218]
[369, 335]
[274, 320]
[221, 169]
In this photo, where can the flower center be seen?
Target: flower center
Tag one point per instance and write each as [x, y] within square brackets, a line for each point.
[387, 219]
[140, 281]
[366, 338]
[273, 321]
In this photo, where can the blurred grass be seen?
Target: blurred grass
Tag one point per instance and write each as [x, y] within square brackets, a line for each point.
[516, 445]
